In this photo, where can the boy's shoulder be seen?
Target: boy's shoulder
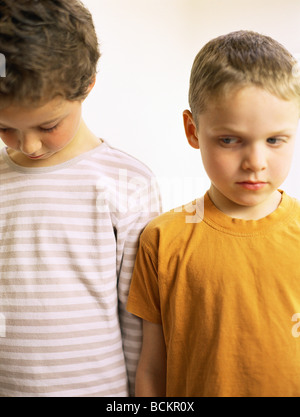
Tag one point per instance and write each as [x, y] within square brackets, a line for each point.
[292, 206]
[118, 160]
[295, 209]
[179, 221]
[129, 183]
[296, 203]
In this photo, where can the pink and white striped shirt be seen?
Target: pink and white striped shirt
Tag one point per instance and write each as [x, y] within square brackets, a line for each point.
[68, 239]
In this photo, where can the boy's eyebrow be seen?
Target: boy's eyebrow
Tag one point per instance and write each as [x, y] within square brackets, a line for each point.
[44, 123]
[50, 121]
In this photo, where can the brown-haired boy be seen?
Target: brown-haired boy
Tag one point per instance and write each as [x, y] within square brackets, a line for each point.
[217, 282]
[71, 211]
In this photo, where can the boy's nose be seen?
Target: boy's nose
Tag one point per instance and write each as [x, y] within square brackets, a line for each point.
[30, 144]
[254, 159]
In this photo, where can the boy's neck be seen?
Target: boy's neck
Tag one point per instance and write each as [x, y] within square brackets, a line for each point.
[237, 211]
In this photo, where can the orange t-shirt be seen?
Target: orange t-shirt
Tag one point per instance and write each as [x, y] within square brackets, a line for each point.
[227, 293]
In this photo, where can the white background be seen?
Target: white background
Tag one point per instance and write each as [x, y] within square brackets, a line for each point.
[148, 47]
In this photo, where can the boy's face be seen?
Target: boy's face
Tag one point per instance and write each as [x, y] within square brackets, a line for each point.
[41, 133]
[246, 141]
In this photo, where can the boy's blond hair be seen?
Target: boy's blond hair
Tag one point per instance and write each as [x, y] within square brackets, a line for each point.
[239, 59]
[50, 48]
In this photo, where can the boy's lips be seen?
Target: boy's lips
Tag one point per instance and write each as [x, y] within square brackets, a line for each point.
[252, 185]
[35, 157]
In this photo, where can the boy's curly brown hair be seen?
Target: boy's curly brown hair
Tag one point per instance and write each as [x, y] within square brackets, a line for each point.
[51, 49]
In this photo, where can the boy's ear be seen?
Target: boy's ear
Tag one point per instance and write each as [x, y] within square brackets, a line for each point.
[190, 129]
[90, 87]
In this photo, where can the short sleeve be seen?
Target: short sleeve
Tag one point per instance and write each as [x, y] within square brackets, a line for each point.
[144, 300]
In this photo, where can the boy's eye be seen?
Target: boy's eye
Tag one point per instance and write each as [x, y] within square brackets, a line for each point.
[228, 140]
[274, 141]
[49, 130]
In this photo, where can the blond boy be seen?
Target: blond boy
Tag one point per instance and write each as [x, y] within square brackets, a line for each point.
[219, 294]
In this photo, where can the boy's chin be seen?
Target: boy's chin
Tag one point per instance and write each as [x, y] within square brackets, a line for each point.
[246, 203]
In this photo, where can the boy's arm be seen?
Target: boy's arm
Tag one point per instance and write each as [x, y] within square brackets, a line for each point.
[128, 233]
[151, 372]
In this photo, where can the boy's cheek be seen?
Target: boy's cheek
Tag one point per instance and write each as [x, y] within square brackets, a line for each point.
[8, 140]
[57, 139]
[217, 165]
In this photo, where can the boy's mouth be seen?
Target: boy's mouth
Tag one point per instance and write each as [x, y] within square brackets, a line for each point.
[35, 157]
[252, 185]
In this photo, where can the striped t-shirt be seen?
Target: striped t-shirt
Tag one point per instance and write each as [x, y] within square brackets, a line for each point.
[69, 236]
